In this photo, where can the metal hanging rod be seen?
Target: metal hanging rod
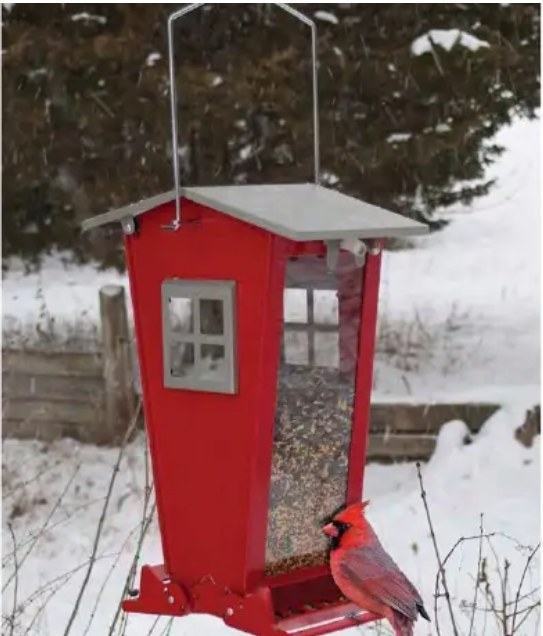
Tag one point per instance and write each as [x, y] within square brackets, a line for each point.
[176, 222]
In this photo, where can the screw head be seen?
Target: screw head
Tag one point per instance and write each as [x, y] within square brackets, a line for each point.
[229, 612]
[129, 226]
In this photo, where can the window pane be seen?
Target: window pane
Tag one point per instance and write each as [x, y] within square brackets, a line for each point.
[213, 362]
[326, 308]
[296, 347]
[327, 350]
[181, 315]
[182, 359]
[211, 317]
[295, 306]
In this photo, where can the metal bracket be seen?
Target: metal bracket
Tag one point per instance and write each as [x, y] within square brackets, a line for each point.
[360, 260]
[129, 225]
[375, 247]
[157, 595]
[332, 255]
[176, 221]
[359, 249]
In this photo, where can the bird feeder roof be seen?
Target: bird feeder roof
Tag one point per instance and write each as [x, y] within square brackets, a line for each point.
[301, 212]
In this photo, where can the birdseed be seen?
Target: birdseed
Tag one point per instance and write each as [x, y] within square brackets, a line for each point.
[313, 422]
[309, 465]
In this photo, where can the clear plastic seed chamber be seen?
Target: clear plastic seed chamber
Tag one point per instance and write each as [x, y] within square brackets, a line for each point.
[314, 408]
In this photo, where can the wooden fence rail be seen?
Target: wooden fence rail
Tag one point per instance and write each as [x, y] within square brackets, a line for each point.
[91, 397]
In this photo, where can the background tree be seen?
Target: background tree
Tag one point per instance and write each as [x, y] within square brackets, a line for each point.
[411, 97]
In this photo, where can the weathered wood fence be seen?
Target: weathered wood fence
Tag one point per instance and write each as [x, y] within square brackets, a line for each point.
[91, 396]
[88, 396]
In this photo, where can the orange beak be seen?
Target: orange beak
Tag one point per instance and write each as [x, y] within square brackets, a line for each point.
[330, 530]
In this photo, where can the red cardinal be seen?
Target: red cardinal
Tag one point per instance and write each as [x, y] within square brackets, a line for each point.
[367, 575]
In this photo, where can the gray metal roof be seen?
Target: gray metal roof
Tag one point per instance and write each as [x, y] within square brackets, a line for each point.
[302, 212]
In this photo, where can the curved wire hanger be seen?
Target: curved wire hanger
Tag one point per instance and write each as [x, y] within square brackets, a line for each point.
[176, 222]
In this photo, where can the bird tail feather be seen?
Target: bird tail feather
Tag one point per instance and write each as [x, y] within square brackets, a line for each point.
[403, 626]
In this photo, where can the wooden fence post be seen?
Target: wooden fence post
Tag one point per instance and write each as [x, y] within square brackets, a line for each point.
[118, 370]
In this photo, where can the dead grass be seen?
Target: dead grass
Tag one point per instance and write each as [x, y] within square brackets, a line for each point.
[29, 530]
[416, 344]
[50, 336]
[507, 606]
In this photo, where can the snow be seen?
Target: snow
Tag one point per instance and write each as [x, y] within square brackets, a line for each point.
[87, 17]
[446, 38]
[329, 179]
[247, 151]
[494, 475]
[325, 16]
[459, 320]
[153, 58]
[399, 137]
[37, 72]
[213, 369]
[473, 289]
[442, 128]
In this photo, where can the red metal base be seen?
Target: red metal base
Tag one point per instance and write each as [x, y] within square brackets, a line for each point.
[255, 613]
[158, 595]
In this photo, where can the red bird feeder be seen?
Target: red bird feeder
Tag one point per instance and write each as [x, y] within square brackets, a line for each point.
[255, 440]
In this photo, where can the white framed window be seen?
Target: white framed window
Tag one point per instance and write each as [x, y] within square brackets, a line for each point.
[198, 325]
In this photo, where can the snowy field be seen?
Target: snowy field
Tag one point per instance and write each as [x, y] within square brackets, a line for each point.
[62, 486]
[459, 319]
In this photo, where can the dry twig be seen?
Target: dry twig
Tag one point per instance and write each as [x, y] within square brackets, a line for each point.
[441, 571]
[101, 521]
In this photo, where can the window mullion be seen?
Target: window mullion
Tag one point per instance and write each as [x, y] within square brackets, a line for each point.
[197, 330]
[212, 340]
[183, 338]
[197, 354]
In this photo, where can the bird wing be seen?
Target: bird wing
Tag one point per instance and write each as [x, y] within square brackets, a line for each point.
[372, 570]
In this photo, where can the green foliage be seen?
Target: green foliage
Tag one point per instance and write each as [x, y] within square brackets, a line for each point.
[87, 119]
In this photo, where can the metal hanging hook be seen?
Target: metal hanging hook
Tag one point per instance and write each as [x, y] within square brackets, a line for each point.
[176, 222]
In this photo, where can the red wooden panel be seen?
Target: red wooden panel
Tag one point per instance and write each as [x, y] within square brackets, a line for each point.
[296, 589]
[325, 620]
[364, 379]
[264, 414]
[210, 452]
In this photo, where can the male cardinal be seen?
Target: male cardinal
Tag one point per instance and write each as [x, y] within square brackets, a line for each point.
[366, 574]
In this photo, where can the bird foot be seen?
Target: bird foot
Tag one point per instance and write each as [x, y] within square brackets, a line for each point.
[354, 617]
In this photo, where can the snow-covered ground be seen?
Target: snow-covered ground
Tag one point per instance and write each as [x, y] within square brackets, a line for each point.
[460, 319]
[495, 475]
[470, 295]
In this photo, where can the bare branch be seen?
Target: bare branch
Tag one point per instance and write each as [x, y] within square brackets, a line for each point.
[108, 577]
[521, 583]
[476, 588]
[115, 472]
[146, 522]
[16, 585]
[441, 571]
[43, 528]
